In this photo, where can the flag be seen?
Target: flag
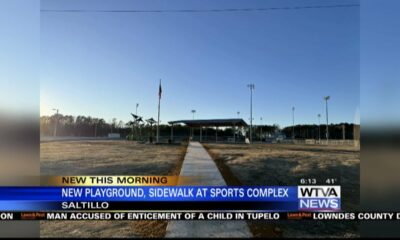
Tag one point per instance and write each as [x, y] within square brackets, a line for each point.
[159, 90]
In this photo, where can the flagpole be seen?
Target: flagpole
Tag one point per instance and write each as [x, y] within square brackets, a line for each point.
[158, 121]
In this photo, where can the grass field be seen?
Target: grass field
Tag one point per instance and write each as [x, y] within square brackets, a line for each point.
[285, 164]
[258, 164]
[108, 158]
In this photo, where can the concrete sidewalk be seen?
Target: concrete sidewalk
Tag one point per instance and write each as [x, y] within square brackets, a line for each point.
[198, 163]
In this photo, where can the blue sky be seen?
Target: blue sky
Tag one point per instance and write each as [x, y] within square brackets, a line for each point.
[380, 65]
[102, 64]
[19, 57]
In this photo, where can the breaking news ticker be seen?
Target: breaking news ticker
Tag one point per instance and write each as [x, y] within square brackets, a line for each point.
[199, 215]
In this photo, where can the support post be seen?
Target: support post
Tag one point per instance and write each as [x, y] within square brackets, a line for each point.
[216, 134]
[172, 132]
[344, 131]
[234, 133]
[201, 133]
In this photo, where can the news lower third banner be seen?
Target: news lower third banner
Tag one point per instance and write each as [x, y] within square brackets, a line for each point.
[201, 215]
[132, 193]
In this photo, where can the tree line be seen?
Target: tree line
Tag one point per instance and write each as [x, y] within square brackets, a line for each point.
[87, 126]
[79, 126]
[312, 131]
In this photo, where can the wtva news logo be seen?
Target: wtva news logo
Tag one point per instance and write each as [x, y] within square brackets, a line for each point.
[319, 198]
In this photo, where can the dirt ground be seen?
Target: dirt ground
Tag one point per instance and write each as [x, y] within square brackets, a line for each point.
[285, 164]
[107, 158]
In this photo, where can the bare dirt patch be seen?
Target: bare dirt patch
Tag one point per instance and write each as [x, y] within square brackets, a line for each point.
[108, 158]
[286, 164]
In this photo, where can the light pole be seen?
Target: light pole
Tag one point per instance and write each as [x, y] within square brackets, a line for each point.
[193, 112]
[326, 98]
[293, 123]
[251, 86]
[56, 123]
[236, 131]
[319, 127]
[137, 105]
[96, 121]
[261, 129]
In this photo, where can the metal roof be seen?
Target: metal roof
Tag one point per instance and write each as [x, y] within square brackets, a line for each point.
[227, 122]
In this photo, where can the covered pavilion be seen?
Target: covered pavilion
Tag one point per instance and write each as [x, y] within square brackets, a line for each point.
[200, 123]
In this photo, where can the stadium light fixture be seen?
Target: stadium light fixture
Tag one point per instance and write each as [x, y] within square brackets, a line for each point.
[319, 126]
[193, 112]
[326, 98]
[251, 86]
